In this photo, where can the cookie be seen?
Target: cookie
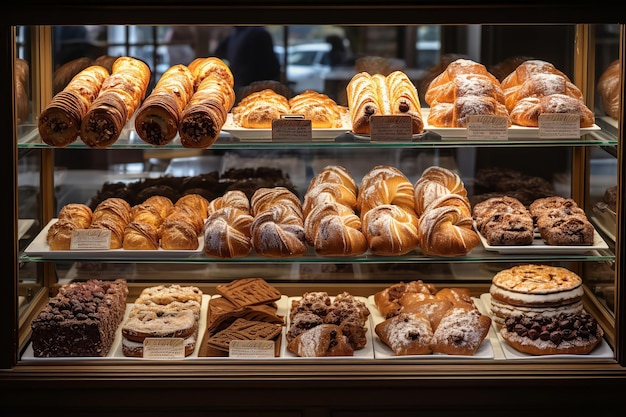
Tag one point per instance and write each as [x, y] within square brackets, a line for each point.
[248, 291]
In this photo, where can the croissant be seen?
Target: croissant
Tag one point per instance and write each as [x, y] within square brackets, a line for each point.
[227, 233]
[404, 99]
[120, 96]
[59, 236]
[115, 225]
[390, 230]
[158, 117]
[196, 202]
[60, 122]
[178, 235]
[541, 84]
[278, 232]
[384, 185]
[211, 67]
[455, 68]
[446, 230]
[526, 112]
[527, 69]
[257, 110]
[334, 230]
[140, 236]
[206, 113]
[79, 214]
[362, 102]
[465, 85]
[321, 341]
[145, 213]
[608, 89]
[163, 204]
[113, 207]
[232, 198]
[188, 215]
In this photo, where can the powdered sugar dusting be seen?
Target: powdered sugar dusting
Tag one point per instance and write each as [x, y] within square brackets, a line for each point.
[459, 329]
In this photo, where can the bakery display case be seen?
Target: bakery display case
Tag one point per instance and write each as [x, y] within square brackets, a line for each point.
[410, 189]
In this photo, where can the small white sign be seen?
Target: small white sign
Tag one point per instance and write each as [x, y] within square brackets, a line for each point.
[251, 349]
[391, 128]
[163, 348]
[292, 129]
[487, 127]
[559, 125]
[83, 239]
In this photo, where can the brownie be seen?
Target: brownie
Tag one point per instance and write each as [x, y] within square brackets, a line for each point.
[81, 320]
[508, 229]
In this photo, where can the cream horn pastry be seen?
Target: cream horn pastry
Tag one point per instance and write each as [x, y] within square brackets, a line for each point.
[206, 113]
[59, 123]
[158, 117]
[212, 67]
[120, 96]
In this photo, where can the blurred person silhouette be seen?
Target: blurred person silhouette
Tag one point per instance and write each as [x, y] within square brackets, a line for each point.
[181, 48]
[339, 54]
[249, 52]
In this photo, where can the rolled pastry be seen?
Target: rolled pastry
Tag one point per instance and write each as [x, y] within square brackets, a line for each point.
[158, 117]
[59, 123]
[120, 96]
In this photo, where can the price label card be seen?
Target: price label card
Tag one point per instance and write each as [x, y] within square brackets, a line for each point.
[487, 127]
[163, 348]
[251, 349]
[91, 239]
[391, 128]
[292, 128]
[559, 125]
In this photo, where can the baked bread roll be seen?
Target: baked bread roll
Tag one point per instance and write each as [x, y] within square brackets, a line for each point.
[334, 174]
[445, 229]
[460, 66]
[227, 233]
[278, 232]
[527, 111]
[608, 89]
[233, 198]
[384, 184]
[328, 193]
[120, 96]
[390, 230]
[257, 110]
[266, 198]
[322, 110]
[377, 94]
[434, 183]
[60, 122]
[206, 113]
[333, 229]
[158, 117]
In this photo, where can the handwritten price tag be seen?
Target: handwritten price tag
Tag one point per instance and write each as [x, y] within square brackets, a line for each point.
[251, 349]
[487, 127]
[163, 348]
[391, 128]
[559, 125]
[292, 128]
[91, 239]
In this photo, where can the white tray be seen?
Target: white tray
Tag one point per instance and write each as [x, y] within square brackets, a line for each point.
[539, 247]
[382, 351]
[602, 351]
[39, 247]
[366, 353]
[265, 135]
